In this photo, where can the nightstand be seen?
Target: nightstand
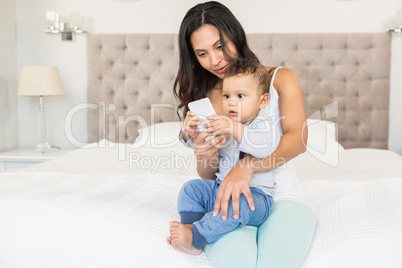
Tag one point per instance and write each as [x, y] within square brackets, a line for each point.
[17, 159]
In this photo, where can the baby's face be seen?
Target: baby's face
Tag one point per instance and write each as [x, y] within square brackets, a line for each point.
[241, 97]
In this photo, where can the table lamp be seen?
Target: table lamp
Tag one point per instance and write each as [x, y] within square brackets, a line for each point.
[40, 81]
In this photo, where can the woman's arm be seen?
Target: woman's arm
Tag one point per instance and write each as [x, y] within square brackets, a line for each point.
[293, 121]
[206, 153]
[292, 143]
[206, 168]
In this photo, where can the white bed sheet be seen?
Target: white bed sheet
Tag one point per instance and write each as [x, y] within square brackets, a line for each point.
[90, 208]
[108, 158]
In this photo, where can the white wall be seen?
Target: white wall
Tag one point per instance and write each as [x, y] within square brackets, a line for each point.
[161, 16]
[8, 76]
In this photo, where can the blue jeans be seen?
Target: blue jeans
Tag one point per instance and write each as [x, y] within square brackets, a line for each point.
[196, 203]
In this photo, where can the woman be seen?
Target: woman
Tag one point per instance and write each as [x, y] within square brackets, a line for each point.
[210, 38]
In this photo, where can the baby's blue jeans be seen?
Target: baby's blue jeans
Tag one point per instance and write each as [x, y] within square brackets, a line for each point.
[196, 203]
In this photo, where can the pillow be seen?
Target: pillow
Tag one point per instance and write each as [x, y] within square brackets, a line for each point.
[322, 136]
[322, 142]
[160, 135]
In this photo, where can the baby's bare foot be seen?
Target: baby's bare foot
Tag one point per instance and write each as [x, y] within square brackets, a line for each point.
[169, 240]
[182, 238]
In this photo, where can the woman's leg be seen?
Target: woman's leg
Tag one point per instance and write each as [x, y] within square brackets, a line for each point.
[284, 239]
[237, 249]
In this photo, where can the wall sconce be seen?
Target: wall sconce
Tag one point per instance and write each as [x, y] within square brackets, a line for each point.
[54, 26]
[398, 22]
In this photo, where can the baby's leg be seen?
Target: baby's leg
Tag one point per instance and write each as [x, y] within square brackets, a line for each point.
[182, 238]
[196, 197]
[209, 229]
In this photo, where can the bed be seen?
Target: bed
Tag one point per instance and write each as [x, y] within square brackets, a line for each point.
[108, 203]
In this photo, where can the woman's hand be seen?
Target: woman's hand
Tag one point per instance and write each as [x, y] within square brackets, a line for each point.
[208, 149]
[207, 155]
[235, 183]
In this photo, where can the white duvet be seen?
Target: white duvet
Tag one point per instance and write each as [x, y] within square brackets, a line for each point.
[91, 209]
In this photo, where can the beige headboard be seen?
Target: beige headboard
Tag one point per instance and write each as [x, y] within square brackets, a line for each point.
[344, 78]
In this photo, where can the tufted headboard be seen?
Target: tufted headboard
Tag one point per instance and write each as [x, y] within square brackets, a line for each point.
[344, 78]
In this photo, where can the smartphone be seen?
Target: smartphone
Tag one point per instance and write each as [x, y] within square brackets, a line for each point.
[202, 108]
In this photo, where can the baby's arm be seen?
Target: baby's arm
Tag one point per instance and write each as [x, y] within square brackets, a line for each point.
[258, 138]
[206, 168]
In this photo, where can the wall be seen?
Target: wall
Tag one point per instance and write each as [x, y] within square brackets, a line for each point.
[161, 16]
[8, 76]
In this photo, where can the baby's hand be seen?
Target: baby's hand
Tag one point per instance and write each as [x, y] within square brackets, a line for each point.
[189, 125]
[221, 125]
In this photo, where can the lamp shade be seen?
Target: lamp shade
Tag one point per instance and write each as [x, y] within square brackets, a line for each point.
[40, 81]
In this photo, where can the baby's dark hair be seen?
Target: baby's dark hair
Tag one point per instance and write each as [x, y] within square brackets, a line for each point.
[250, 66]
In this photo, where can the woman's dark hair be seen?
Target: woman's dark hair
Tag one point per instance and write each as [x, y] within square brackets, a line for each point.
[193, 81]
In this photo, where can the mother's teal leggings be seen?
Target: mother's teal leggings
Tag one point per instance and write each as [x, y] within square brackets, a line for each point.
[283, 240]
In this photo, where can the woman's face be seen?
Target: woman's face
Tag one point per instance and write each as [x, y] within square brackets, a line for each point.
[208, 50]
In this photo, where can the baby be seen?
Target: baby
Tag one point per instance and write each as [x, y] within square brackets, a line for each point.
[245, 92]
